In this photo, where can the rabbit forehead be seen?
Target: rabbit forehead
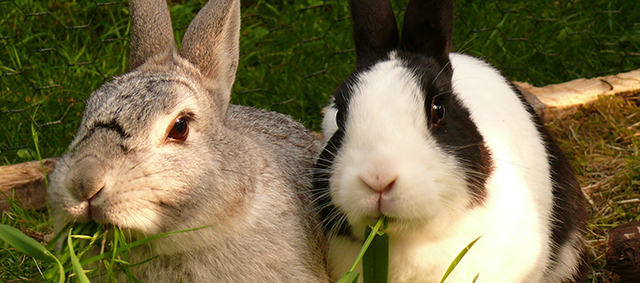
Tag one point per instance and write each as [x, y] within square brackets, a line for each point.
[134, 101]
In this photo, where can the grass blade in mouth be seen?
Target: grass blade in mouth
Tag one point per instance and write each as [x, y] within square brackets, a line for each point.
[351, 275]
[375, 263]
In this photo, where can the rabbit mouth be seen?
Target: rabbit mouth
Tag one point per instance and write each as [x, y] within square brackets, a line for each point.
[393, 223]
[96, 214]
[78, 213]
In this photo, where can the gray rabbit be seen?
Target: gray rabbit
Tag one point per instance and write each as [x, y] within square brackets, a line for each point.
[161, 149]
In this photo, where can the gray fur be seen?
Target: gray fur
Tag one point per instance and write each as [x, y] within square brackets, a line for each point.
[151, 31]
[244, 172]
[208, 59]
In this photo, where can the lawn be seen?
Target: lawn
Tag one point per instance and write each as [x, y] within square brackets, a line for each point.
[295, 53]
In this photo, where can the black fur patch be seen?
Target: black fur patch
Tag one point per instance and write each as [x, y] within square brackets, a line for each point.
[456, 134]
[375, 32]
[331, 216]
[111, 125]
[427, 29]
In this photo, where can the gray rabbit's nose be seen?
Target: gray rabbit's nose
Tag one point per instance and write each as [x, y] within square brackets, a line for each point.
[87, 179]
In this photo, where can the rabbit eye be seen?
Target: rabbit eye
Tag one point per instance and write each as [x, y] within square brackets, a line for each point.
[179, 130]
[437, 112]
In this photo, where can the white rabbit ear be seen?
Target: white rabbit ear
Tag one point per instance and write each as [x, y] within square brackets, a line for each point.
[211, 43]
[151, 31]
[427, 29]
[375, 31]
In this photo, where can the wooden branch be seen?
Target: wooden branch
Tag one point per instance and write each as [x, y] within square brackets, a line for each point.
[25, 182]
[562, 99]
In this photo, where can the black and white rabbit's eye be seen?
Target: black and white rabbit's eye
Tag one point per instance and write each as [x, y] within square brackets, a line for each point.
[180, 130]
[437, 112]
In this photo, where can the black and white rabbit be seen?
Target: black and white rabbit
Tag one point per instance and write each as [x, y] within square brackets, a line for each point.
[448, 150]
[161, 149]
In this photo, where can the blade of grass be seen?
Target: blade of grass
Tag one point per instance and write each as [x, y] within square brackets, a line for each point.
[77, 267]
[349, 277]
[114, 254]
[457, 260]
[54, 241]
[140, 242]
[36, 142]
[25, 244]
[350, 274]
[29, 246]
[375, 262]
[367, 242]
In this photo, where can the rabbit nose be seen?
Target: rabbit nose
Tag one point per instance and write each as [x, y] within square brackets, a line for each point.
[86, 180]
[379, 182]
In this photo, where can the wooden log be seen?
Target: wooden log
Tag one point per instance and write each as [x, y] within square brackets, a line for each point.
[623, 252]
[563, 99]
[25, 183]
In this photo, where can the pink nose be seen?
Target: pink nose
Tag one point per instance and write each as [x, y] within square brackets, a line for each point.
[378, 182]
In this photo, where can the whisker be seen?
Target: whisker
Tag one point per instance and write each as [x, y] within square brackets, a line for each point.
[441, 70]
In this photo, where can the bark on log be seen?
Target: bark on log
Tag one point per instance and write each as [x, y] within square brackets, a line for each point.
[25, 183]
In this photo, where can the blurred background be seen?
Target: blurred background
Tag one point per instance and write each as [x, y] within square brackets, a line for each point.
[53, 54]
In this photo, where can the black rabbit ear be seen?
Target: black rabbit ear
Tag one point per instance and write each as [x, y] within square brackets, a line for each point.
[375, 31]
[427, 29]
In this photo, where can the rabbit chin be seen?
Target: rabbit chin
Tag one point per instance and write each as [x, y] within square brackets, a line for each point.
[433, 226]
[139, 222]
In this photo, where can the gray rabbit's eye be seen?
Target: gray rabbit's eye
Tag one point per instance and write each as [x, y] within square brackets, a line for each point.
[180, 130]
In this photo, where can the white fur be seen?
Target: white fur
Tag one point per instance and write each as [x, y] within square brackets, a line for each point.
[329, 124]
[387, 137]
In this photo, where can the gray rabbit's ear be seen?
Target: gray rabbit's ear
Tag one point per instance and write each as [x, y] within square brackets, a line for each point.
[151, 31]
[211, 43]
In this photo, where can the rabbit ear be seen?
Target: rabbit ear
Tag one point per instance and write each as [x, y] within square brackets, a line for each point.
[375, 31]
[211, 43]
[151, 31]
[427, 29]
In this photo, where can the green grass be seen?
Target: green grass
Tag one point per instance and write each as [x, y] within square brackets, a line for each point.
[294, 54]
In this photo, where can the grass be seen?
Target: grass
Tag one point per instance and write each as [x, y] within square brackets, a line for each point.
[603, 141]
[295, 53]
